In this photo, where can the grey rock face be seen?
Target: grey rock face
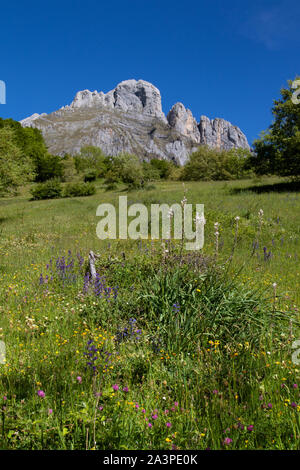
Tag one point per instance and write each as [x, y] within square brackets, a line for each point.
[182, 120]
[130, 119]
[221, 134]
[136, 96]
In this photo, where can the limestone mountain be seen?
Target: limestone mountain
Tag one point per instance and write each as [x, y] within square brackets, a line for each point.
[129, 118]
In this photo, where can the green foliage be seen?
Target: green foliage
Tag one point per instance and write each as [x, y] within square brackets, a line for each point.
[50, 189]
[69, 168]
[29, 140]
[90, 175]
[150, 173]
[212, 164]
[164, 167]
[15, 167]
[278, 149]
[211, 305]
[157, 169]
[79, 189]
[125, 168]
[31, 144]
[47, 166]
[91, 158]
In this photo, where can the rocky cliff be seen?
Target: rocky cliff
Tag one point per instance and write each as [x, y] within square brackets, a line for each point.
[130, 119]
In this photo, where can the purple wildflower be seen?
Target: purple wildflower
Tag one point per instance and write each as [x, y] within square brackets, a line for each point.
[227, 441]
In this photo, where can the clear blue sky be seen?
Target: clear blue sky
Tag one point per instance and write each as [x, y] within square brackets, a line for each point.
[224, 59]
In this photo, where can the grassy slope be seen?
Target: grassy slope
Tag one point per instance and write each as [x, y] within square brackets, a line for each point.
[46, 330]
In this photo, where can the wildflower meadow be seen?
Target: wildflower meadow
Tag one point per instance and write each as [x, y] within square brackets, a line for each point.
[165, 348]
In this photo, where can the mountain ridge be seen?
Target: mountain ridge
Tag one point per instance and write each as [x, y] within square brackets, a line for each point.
[129, 118]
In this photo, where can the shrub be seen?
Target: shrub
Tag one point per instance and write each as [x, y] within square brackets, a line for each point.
[15, 167]
[163, 167]
[90, 175]
[79, 189]
[150, 173]
[51, 189]
[126, 168]
[47, 166]
[91, 158]
[69, 168]
[213, 164]
[110, 186]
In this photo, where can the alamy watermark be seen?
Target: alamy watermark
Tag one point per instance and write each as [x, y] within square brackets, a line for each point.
[178, 221]
[296, 353]
[2, 92]
[2, 352]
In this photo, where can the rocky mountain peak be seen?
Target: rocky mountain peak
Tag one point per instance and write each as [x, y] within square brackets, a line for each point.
[137, 96]
[129, 118]
[182, 120]
[221, 134]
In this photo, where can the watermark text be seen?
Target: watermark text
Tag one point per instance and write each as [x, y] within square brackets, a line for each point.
[178, 221]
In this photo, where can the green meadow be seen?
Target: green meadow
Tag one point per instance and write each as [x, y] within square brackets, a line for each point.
[168, 348]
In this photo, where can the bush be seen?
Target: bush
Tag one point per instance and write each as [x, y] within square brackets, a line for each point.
[110, 186]
[90, 175]
[163, 167]
[69, 168]
[79, 189]
[91, 158]
[213, 164]
[47, 166]
[15, 167]
[150, 173]
[51, 189]
[126, 168]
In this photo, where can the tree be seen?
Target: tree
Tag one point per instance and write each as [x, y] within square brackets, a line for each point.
[127, 168]
[16, 168]
[163, 167]
[91, 158]
[213, 164]
[47, 166]
[31, 143]
[29, 140]
[277, 151]
[69, 168]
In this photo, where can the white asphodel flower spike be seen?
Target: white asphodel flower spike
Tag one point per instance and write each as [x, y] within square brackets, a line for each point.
[184, 201]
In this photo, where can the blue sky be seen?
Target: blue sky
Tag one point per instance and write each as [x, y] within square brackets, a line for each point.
[222, 59]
